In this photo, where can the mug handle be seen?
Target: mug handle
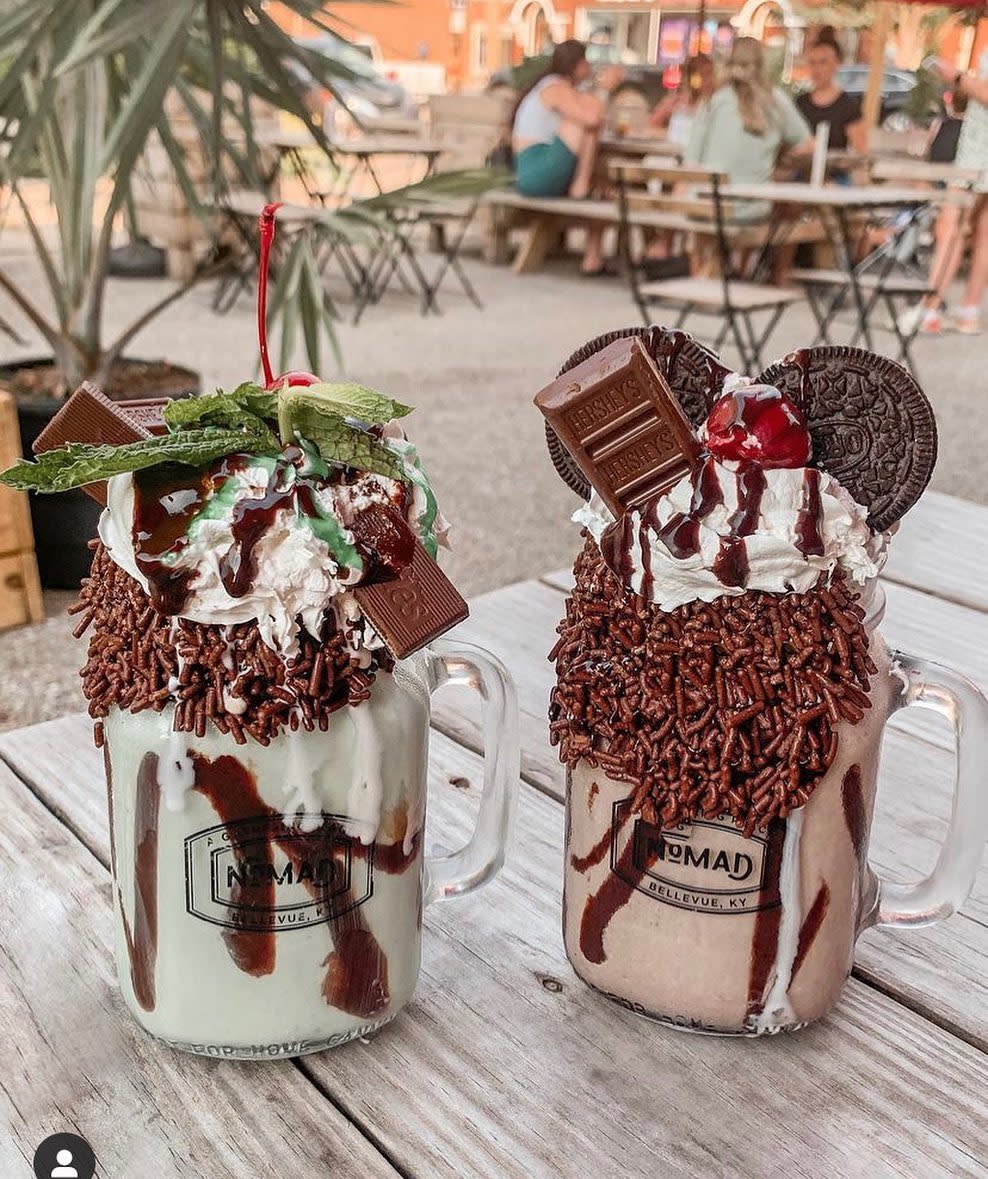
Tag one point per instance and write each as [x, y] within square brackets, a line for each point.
[931, 685]
[479, 860]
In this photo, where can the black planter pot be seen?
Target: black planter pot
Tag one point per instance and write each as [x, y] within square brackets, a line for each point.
[65, 523]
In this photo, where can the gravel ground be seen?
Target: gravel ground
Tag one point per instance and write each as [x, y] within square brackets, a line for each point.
[471, 374]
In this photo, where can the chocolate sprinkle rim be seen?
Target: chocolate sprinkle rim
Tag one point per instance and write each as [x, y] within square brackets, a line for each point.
[724, 708]
[140, 659]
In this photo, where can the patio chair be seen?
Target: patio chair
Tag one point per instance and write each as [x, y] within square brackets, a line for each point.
[241, 243]
[727, 295]
[890, 277]
[399, 255]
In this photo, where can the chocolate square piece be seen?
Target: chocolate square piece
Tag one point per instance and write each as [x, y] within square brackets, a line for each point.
[622, 424]
[89, 416]
[412, 609]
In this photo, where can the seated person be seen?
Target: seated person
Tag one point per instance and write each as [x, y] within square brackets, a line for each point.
[825, 101]
[745, 125]
[555, 129]
[674, 113]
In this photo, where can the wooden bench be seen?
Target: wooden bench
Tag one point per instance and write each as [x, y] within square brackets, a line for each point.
[546, 218]
[20, 589]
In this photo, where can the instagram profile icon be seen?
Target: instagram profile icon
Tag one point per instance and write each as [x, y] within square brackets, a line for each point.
[64, 1156]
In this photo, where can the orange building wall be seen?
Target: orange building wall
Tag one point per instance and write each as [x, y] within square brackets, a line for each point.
[400, 29]
[412, 30]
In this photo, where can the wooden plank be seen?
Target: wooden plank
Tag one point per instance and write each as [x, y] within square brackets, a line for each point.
[922, 171]
[506, 1065]
[20, 590]
[15, 516]
[78, 1062]
[941, 548]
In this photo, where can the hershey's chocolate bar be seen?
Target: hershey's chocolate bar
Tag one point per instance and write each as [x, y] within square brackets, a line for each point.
[412, 609]
[90, 416]
[622, 424]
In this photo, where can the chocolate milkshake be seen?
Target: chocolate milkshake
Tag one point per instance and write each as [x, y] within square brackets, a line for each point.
[721, 685]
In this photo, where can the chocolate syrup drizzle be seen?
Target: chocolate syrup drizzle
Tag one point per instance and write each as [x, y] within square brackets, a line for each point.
[613, 894]
[681, 532]
[233, 793]
[356, 978]
[809, 539]
[765, 940]
[142, 939]
[594, 856]
[855, 816]
[810, 927]
[167, 499]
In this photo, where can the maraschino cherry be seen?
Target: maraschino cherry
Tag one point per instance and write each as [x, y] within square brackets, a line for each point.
[760, 424]
[294, 378]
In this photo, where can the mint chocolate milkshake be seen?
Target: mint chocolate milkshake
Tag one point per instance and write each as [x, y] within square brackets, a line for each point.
[265, 764]
[263, 596]
[265, 742]
[721, 687]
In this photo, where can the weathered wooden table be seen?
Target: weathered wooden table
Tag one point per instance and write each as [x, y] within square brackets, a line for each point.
[505, 1065]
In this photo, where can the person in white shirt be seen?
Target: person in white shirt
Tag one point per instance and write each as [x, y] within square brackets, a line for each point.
[554, 134]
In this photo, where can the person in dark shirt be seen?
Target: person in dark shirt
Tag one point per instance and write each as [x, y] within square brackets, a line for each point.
[825, 102]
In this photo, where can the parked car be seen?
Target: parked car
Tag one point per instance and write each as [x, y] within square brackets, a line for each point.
[897, 85]
[376, 102]
[908, 100]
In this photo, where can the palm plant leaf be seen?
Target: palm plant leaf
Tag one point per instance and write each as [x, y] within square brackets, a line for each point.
[83, 85]
[442, 187]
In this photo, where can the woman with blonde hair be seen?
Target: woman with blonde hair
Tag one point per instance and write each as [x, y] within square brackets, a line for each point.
[746, 124]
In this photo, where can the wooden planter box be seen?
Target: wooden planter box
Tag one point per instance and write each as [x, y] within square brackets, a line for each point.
[20, 589]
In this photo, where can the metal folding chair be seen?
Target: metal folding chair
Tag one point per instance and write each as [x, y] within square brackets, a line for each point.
[458, 217]
[889, 276]
[729, 296]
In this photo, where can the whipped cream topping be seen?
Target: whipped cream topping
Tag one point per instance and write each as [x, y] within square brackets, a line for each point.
[298, 575]
[771, 553]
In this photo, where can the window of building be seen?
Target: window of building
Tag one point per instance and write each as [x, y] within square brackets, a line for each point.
[478, 49]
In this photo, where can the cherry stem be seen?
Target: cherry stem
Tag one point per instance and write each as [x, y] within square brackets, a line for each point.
[265, 224]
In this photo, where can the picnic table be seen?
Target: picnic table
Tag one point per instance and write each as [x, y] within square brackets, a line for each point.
[638, 146]
[505, 1066]
[841, 209]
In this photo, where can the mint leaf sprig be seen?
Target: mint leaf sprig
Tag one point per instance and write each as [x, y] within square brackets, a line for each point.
[335, 417]
[329, 416]
[77, 463]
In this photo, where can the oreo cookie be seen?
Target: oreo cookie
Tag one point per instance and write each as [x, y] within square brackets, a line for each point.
[872, 426]
[693, 372]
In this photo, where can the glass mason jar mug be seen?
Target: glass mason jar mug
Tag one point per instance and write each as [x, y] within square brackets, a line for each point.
[269, 898]
[700, 927]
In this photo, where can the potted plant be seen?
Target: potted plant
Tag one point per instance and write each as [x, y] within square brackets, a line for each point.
[83, 86]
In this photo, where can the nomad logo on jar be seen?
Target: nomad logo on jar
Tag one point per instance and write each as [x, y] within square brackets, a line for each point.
[707, 866]
[259, 874]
